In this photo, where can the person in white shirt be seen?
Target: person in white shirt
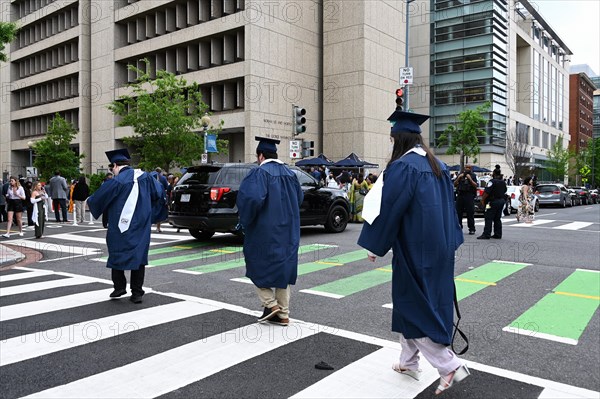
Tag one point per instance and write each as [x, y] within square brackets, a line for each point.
[14, 198]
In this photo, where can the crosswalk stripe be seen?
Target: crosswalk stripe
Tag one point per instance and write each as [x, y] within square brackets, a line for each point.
[41, 246]
[52, 304]
[537, 222]
[21, 289]
[351, 285]
[41, 343]
[486, 275]
[371, 377]
[181, 366]
[574, 226]
[209, 253]
[20, 276]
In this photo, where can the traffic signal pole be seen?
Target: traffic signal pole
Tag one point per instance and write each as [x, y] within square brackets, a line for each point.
[407, 15]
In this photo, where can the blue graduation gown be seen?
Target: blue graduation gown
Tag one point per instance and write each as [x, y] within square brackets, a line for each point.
[160, 213]
[269, 202]
[127, 250]
[418, 222]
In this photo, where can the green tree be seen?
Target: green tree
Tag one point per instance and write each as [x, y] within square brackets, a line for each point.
[558, 160]
[463, 138]
[54, 151]
[8, 31]
[594, 161]
[164, 112]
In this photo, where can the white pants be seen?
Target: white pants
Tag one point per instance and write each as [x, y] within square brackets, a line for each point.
[440, 356]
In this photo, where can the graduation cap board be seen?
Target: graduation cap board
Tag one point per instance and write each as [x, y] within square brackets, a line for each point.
[406, 122]
[118, 155]
[266, 144]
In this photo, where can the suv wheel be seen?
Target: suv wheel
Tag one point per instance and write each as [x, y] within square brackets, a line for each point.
[202, 235]
[337, 219]
[564, 203]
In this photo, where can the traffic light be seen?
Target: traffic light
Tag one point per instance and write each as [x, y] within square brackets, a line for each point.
[399, 99]
[308, 148]
[298, 120]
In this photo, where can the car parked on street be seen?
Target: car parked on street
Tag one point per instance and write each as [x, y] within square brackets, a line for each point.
[204, 200]
[513, 192]
[584, 195]
[575, 200]
[594, 196]
[553, 194]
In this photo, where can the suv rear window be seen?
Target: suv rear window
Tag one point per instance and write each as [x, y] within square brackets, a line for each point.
[233, 176]
[547, 189]
[205, 175]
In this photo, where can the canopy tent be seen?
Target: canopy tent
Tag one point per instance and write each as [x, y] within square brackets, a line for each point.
[321, 160]
[475, 168]
[353, 161]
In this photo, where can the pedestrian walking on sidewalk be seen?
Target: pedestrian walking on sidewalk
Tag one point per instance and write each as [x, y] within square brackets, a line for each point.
[129, 199]
[40, 212]
[14, 198]
[269, 202]
[411, 211]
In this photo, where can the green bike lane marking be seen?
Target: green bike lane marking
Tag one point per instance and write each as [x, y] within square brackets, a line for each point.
[483, 276]
[209, 253]
[173, 248]
[240, 262]
[562, 315]
[351, 285]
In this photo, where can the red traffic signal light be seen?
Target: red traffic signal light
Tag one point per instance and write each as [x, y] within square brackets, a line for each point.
[399, 99]
[399, 92]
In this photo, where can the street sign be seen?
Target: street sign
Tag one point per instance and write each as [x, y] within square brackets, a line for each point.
[296, 154]
[295, 145]
[31, 171]
[204, 158]
[406, 76]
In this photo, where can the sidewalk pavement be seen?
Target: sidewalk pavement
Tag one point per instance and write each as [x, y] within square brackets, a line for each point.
[9, 256]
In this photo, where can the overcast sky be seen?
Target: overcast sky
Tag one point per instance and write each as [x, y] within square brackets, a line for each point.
[577, 23]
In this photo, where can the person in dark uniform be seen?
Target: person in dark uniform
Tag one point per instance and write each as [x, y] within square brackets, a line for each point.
[466, 186]
[109, 175]
[494, 201]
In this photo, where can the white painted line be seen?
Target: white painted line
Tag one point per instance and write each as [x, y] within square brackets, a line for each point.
[388, 305]
[512, 263]
[326, 294]
[63, 258]
[371, 377]
[574, 226]
[537, 334]
[187, 271]
[46, 285]
[80, 238]
[176, 368]
[20, 276]
[242, 280]
[30, 346]
[46, 246]
[53, 304]
[588, 270]
[534, 224]
[546, 214]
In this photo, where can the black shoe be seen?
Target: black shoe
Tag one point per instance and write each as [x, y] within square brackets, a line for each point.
[136, 298]
[269, 313]
[496, 237]
[472, 232]
[279, 321]
[482, 237]
[117, 293]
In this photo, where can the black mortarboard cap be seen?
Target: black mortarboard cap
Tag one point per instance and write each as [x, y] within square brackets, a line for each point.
[118, 155]
[406, 122]
[266, 145]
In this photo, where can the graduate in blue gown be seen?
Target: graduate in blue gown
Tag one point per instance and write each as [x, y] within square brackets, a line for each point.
[130, 208]
[417, 220]
[269, 202]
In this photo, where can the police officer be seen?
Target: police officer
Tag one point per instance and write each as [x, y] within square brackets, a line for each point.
[493, 199]
[466, 186]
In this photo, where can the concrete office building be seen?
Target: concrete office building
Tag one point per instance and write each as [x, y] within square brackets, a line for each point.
[339, 59]
[253, 60]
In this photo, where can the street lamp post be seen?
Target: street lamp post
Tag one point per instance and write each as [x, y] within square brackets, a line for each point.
[205, 122]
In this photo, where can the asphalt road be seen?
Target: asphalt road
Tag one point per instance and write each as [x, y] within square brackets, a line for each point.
[544, 254]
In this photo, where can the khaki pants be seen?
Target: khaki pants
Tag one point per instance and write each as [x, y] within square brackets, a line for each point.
[280, 297]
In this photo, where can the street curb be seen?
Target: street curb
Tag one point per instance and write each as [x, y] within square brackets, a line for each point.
[9, 256]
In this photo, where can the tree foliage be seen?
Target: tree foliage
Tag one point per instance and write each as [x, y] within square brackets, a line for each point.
[163, 112]
[558, 160]
[8, 31]
[517, 153]
[463, 138]
[54, 151]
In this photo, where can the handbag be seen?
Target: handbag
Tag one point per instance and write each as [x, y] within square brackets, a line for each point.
[363, 191]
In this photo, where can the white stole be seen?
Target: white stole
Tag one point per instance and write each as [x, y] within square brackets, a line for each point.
[130, 203]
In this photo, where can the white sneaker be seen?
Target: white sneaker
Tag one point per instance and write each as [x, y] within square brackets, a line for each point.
[21, 234]
[6, 235]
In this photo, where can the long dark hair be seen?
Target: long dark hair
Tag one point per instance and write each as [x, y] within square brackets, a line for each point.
[405, 141]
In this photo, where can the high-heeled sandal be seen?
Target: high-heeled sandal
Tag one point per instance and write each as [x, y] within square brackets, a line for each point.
[459, 374]
[416, 374]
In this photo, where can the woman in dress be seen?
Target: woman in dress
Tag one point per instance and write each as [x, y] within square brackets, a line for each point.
[525, 211]
[40, 214]
[358, 190]
[14, 199]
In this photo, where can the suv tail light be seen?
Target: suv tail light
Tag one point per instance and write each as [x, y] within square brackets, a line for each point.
[217, 192]
[556, 192]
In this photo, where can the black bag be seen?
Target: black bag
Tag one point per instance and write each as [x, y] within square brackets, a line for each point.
[363, 191]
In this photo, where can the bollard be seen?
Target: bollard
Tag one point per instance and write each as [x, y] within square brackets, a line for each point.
[75, 214]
